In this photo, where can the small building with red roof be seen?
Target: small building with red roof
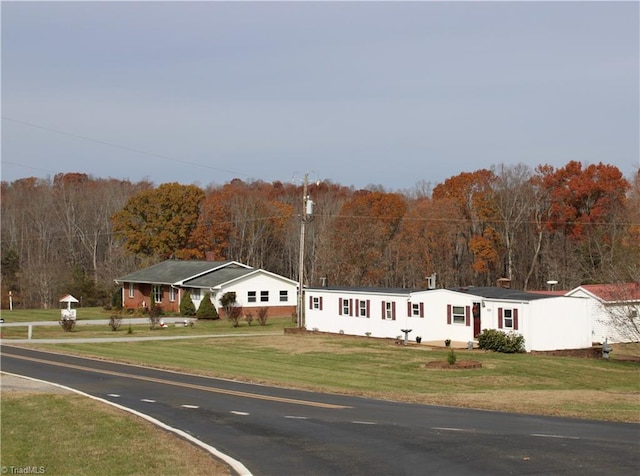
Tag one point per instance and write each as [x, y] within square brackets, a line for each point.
[614, 310]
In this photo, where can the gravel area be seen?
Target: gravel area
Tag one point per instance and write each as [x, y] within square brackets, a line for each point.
[12, 384]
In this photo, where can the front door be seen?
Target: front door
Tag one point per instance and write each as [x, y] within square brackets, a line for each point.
[476, 319]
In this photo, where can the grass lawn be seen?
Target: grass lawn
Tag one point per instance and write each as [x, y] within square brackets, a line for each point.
[85, 329]
[34, 315]
[73, 435]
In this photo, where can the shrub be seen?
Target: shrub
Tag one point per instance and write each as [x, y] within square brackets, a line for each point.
[499, 341]
[154, 321]
[187, 308]
[116, 299]
[207, 310]
[68, 324]
[114, 322]
[232, 310]
[452, 357]
[248, 317]
[262, 315]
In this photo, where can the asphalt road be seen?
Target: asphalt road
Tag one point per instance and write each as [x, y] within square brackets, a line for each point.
[275, 431]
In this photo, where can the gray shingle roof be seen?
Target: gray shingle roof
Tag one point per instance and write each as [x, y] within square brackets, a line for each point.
[170, 271]
[500, 293]
[364, 289]
[216, 278]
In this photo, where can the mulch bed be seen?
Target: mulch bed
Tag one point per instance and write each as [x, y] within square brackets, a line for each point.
[459, 365]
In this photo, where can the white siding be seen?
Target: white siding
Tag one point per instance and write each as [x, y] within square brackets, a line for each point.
[546, 324]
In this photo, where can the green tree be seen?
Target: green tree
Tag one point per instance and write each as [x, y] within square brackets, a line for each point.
[159, 222]
[187, 308]
[207, 310]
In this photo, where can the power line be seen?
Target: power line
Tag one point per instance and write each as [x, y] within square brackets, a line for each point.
[115, 146]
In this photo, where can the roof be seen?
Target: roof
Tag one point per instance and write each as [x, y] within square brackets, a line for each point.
[364, 289]
[68, 298]
[500, 293]
[613, 292]
[172, 271]
[484, 292]
[218, 277]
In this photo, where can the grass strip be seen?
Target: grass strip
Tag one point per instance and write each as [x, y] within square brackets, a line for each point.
[73, 435]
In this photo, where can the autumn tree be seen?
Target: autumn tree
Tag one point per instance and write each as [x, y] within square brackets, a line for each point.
[362, 233]
[159, 222]
[476, 258]
[587, 213]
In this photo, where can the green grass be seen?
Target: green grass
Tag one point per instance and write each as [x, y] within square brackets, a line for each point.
[34, 315]
[141, 329]
[72, 435]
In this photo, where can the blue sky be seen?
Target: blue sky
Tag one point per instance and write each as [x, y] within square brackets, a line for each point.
[361, 93]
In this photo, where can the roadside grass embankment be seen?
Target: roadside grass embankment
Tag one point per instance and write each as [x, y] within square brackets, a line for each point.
[71, 434]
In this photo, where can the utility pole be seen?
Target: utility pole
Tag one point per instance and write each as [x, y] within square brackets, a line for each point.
[307, 210]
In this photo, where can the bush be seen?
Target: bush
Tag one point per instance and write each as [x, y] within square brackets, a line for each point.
[114, 322]
[187, 308]
[249, 317]
[499, 341]
[154, 321]
[232, 310]
[207, 310]
[68, 324]
[262, 315]
[452, 357]
[116, 299]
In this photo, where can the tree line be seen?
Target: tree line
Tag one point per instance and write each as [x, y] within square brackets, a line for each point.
[575, 224]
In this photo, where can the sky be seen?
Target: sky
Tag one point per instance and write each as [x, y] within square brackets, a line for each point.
[389, 94]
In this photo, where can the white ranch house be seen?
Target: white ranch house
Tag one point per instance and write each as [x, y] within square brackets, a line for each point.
[546, 322]
[170, 280]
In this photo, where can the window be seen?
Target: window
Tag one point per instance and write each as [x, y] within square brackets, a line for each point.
[251, 296]
[131, 290]
[284, 296]
[458, 315]
[508, 318]
[388, 310]
[415, 309]
[316, 303]
[264, 296]
[345, 307]
[362, 309]
[195, 294]
[172, 294]
[157, 293]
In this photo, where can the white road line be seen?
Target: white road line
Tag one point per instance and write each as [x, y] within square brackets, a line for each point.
[450, 429]
[239, 413]
[113, 395]
[364, 422]
[189, 406]
[542, 435]
[147, 400]
[297, 417]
